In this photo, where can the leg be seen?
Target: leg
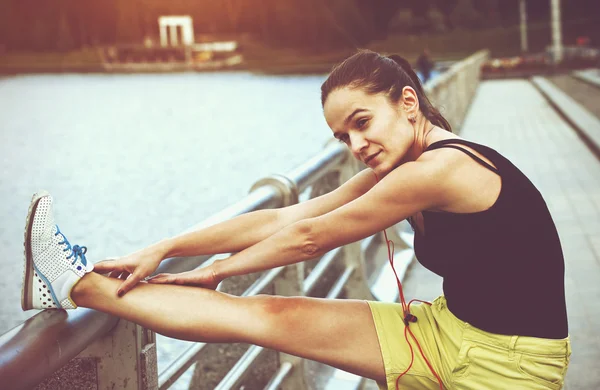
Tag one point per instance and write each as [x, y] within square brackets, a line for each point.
[339, 333]
[57, 275]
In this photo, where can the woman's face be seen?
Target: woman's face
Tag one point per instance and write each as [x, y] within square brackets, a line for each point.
[377, 131]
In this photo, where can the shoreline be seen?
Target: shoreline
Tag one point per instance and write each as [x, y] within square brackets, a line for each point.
[253, 59]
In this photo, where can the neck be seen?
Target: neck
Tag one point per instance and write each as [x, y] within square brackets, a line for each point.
[424, 130]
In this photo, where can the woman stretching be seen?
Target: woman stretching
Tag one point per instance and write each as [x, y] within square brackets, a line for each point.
[479, 223]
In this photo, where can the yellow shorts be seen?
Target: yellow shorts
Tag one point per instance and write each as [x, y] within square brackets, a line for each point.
[463, 356]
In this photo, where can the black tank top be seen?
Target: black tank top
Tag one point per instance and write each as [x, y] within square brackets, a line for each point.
[503, 268]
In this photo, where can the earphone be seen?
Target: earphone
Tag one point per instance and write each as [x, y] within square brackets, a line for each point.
[408, 318]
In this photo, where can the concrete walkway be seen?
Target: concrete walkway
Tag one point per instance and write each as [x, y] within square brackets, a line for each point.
[516, 120]
[591, 76]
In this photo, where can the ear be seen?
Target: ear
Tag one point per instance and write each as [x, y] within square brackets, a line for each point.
[409, 100]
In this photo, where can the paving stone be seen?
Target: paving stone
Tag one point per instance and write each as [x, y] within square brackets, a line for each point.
[537, 140]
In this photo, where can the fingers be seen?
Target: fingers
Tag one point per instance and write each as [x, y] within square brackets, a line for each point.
[128, 284]
[182, 278]
[109, 265]
[190, 278]
[164, 279]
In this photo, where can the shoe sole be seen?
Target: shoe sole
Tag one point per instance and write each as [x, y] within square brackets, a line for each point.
[28, 270]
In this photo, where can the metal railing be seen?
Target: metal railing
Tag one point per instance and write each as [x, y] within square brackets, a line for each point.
[114, 353]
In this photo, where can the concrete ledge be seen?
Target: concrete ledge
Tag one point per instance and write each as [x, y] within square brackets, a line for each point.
[590, 76]
[586, 124]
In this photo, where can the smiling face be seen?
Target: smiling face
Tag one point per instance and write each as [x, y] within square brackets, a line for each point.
[376, 130]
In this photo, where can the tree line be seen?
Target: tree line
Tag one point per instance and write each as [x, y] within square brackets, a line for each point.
[71, 24]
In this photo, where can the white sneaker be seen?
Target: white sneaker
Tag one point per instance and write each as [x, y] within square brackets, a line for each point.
[52, 266]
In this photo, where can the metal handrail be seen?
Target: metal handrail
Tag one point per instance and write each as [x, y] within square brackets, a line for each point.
[303, 176]
[69, 333]
[236, 375]
[182, 362]
[318, 166]
[322, 266]
[454, 69]
[339, 284]
[180, 365]
[66, 334]
[45, 342]
[279, 376]
[48, 340]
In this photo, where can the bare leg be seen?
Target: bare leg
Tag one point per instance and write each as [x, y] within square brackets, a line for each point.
[340, 333]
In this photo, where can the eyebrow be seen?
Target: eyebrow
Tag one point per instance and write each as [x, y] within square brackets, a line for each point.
[348, 119]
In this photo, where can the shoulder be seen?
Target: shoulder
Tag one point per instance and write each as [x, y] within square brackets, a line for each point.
[468, 184]
[455, 156]
[425, 181]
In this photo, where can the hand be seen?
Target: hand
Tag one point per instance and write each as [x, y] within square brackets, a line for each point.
[132, 268]
[201, 277]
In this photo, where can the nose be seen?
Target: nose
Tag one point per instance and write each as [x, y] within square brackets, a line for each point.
[358, 143]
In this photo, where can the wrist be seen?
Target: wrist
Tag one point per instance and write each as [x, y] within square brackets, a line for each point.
[163, 248]
[218, 270]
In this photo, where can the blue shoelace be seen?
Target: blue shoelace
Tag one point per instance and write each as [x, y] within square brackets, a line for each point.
[76, 251]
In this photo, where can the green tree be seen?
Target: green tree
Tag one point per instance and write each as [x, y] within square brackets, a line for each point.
[466, 16]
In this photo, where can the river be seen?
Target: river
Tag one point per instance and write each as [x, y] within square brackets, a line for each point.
[131, 159]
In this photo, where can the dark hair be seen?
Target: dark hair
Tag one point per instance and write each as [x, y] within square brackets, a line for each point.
[375, 74]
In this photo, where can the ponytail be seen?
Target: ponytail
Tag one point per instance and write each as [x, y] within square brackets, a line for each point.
[405, 65]
[430, 112]
[378, 74]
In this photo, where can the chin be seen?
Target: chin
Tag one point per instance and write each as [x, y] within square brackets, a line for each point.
[381, 170]
[385, 167]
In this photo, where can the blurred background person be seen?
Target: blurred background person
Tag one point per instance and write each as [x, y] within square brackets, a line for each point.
[425, 65]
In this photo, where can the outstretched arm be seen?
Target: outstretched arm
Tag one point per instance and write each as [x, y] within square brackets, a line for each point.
[233, 235]
[405, 191]
[248, 229]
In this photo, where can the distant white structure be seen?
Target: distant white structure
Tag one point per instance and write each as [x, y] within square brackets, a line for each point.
[523, 12]
[555, 18]
[173, 24]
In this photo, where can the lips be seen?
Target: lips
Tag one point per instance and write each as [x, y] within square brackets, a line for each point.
[371, 157]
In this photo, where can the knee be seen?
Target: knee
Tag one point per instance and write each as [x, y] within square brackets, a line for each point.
[278, 312]
[271, 305]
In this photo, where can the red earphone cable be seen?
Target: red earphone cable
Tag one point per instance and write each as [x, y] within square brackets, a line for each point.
[406, 312]
[408, 318]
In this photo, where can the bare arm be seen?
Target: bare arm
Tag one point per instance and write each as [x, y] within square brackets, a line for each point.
[408, 189]
[233, 235]
[248, 229]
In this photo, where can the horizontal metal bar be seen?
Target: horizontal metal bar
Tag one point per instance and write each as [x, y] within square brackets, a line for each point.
[279, 376]
[180, 365]
[60, 336]
[48, 340]
[318, 166]
[261, 283]
[456, 68]
[261, 198]
[67, 334]
[237, 374]
[322, 266]
[367, 243]
[189, 357]
[34, 350]
[167, 377]
[340, 283]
